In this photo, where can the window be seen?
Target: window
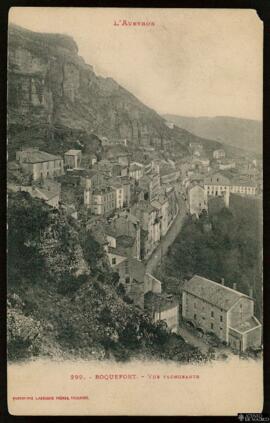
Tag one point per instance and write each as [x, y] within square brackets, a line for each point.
[127, 279]
[113, 260]
[195, 316]
[220, 328]
[212, 326]
[212, 314]
[221, 318]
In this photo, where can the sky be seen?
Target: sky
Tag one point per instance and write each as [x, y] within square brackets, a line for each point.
[192, 62]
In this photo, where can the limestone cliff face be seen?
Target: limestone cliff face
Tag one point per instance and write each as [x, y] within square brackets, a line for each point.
[56, 98]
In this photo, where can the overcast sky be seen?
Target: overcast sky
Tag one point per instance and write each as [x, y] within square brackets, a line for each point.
[193, 62]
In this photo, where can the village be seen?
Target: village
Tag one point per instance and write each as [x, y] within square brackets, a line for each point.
[134, 202]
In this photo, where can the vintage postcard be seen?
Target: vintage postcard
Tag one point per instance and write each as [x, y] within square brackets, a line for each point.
[134, 178]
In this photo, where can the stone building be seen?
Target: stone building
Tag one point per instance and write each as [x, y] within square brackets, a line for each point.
[196, 149]
[101, 200]
[197, 200]
[219, 154]
[173, 203]
[161, 204]
[72, 159]
[150, 184]
[91, 179]
[119, 194]
[47, 191]
[124, 237]
[39, 164]
[150, 225]
[132, 273]
[162, 306]
[225, 312]
[136, 170]
[126, 183]
[222, 184]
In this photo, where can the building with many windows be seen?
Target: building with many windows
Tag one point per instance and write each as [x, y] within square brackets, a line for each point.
[101, 200]
[72, 159]
[227, 313]
[119, 194]
[150, 184]
[136, 170]
[161, 204]
[91, 179]
[220, 184]
[39, 164]
[123, 236]
[219, 154]
[197, 200]
[150, 225]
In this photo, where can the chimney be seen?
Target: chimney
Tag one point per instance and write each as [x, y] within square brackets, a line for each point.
[251, 292]
[222, 281]
[234, 286]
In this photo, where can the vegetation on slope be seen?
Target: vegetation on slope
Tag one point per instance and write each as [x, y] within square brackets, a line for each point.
[227, 244]
[63, 299]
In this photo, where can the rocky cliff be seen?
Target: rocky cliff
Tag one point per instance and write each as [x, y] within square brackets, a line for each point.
[56, 100]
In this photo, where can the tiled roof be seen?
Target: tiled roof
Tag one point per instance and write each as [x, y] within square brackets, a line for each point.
[144, 205]
[168, 171]
[89, 173]
[214, 293]
[102, 190]
[195, 185]
[136, 269]
[135, 166]
[159, 302]
[243, 183]
[73, 152]
[116, 185]
[248, 324]
[45, 193]
[232, 179]
[159, 202]
[125, 241]
[40, 156]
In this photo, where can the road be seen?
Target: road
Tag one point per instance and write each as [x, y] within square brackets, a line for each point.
[154, 260]
[200, 343]
[192, 339]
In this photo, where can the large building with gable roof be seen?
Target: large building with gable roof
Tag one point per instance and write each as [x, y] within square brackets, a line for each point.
[218, 309]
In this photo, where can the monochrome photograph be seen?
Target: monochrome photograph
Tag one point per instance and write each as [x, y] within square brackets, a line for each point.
[135, 220]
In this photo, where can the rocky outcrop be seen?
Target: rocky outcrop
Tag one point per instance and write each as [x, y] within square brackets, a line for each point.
[55, 94]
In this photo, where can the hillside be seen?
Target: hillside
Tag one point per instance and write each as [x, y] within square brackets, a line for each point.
[56, 100]
[241, 133]
[64, 300]
[230, 249]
